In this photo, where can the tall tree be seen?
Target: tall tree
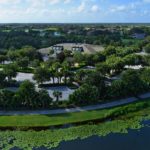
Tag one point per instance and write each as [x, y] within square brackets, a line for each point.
[65, 71]
[41, 75]
[44, 99]
[2, 78]
[85, 95]
[10, 70]
[95, 79]
[147, 48]
[23, 62]
[27, 94]
[133, 84]
[57, 95]
[3, 58]
[55, 71]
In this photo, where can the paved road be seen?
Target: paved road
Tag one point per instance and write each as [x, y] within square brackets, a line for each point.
[77, 109]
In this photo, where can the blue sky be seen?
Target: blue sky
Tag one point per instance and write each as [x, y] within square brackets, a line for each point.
[70, 11]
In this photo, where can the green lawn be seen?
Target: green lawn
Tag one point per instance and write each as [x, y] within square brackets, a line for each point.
[1, 65]
[52, 120]
[24, 70]
[49, 120]
[133, 41]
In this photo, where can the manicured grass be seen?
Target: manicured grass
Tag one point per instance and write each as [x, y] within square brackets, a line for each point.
[50, 120]
[53, 120]
[26, 70]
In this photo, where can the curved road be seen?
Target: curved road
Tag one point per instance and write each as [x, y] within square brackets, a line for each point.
[77, 109]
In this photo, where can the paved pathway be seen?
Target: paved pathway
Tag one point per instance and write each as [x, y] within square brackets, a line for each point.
[77, 109]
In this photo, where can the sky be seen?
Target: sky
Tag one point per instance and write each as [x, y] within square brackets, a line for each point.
[74, 11]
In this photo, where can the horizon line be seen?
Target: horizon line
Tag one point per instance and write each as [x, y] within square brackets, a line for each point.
[74, 22]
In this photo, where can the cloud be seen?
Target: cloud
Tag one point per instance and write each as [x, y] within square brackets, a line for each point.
[95, 8]
[53, 2]
[146, 1]
[67, 1]
[132, 6]
[81, 7]
[72, 10]
[118, 8]
[6, 2]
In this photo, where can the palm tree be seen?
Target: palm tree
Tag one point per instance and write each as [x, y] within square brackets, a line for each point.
[57, 95]
[55, 71]
[65, 71]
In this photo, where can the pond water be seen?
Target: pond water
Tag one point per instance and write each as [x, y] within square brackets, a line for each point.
[134, 140]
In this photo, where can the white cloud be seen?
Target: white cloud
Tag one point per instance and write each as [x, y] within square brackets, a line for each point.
[146, 1]
[67, 1]
[118, 8]
[81, 7]
[58, 10]
[36, 4]
[6, 2]
[133, 6]
[94, 8]
[52, 2]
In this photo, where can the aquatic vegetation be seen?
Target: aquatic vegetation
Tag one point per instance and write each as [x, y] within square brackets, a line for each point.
[52, 138]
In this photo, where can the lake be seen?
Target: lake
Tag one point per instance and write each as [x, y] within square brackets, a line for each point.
[134, 140]
[125, 134]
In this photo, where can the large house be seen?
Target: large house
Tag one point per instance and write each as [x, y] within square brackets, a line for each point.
[138, 35]
[57, 48]
[71, 47]
[77, 48]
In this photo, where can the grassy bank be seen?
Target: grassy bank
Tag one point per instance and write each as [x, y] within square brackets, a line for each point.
[27, 121]
[28, 140]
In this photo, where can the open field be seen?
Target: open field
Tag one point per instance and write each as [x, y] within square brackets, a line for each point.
[27, 121]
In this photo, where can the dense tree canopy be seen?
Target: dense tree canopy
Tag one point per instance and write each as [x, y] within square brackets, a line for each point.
[41, 75]
[85, 95]
[147, 48]
[10, 70]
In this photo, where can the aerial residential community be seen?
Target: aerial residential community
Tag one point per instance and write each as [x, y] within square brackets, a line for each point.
[68, 86]
[72, 71]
